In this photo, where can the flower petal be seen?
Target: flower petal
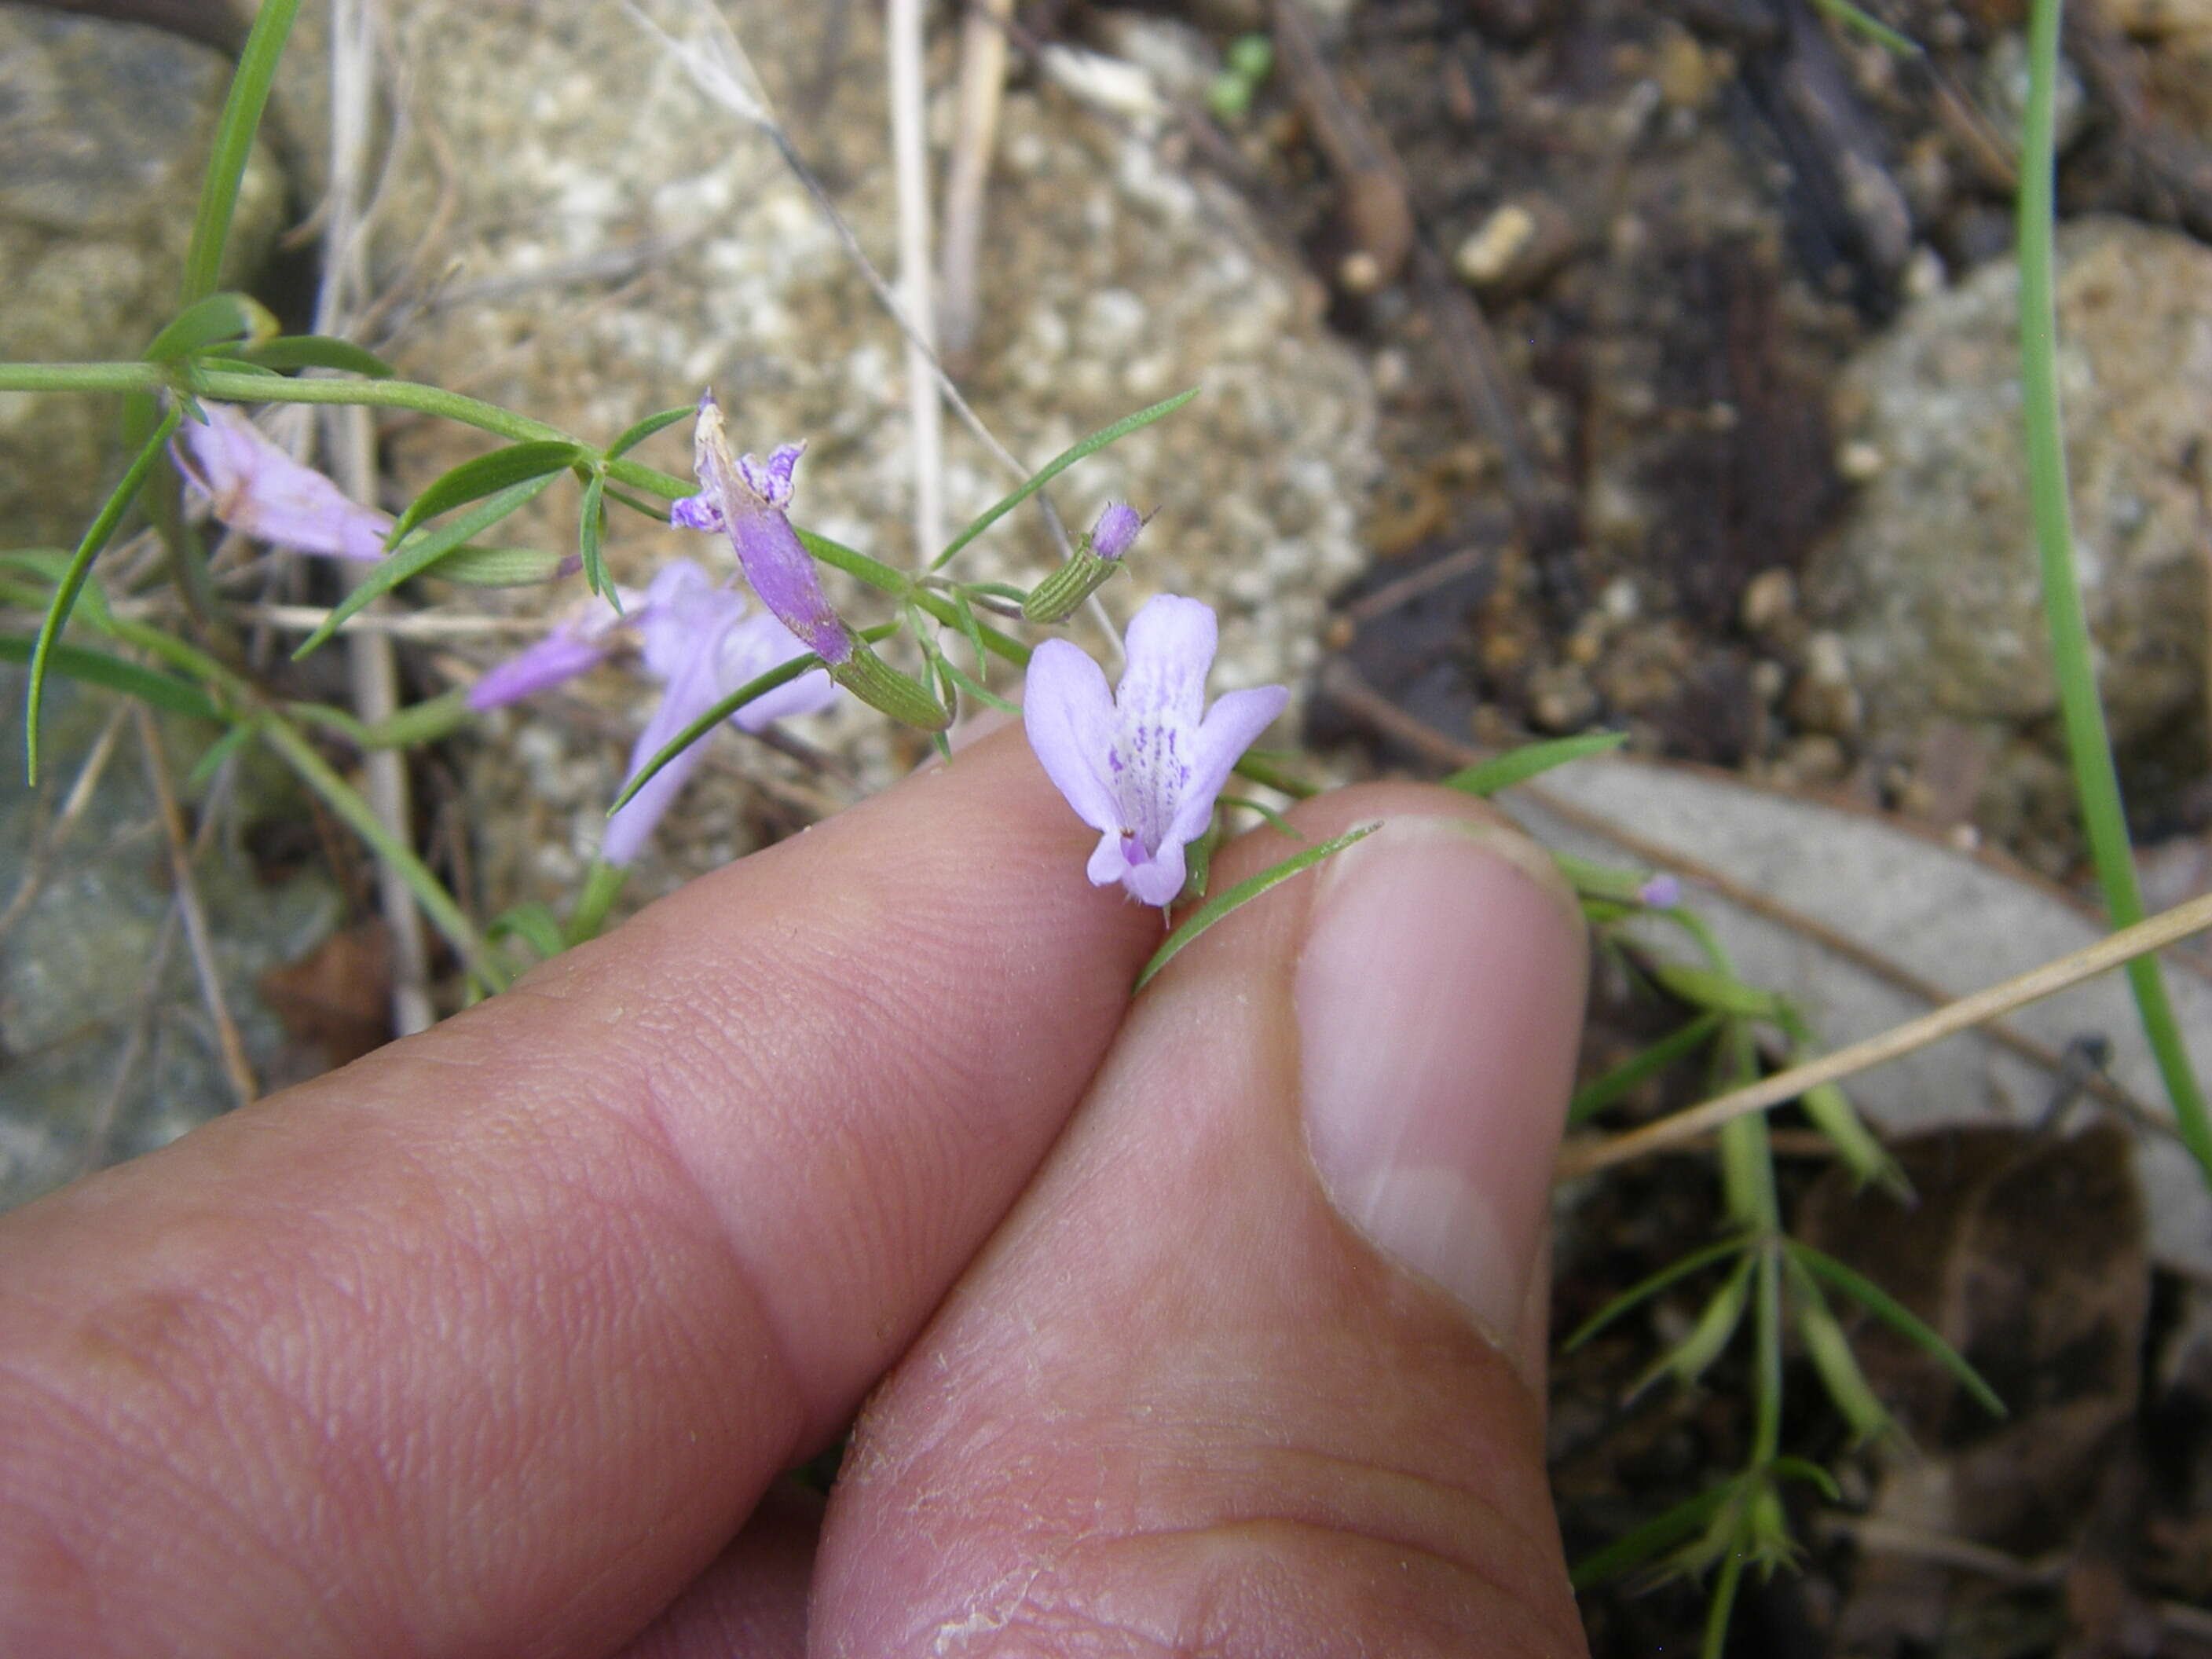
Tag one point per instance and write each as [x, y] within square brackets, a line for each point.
[1230, 727]
[748, 650]
[561, 655]
[695, 513]
[689, 694]
[1069, 717]
[1170, 645]
[255, 488]
[1159, 878]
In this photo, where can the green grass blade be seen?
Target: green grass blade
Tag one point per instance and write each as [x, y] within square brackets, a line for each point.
[319, 351]
[310, 767]
[2089, 745]
[500, 567]
[634, 436]
[233, 142]
[148, 685]
[533, 924]
[1519, 765]
[1057, 465]
[1899, 1317]
[1595, 1097]
[1215, 908]
[422, 553]
[1853, 17]
[1644, 1290]
[482, 476]
[96, 537]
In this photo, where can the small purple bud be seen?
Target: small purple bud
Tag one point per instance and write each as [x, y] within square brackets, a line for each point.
[254, 487]
[1115, 531]
[1662, 892]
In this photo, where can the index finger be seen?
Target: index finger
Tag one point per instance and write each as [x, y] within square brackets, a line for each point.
[491, 1340]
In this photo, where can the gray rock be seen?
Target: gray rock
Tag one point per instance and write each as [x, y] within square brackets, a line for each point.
[80, 918]
[104, 133]
[1111, 279]
[1933, 579]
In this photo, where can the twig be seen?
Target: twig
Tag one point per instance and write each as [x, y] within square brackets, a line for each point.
[236, 1066]
[373, 669]
[982, 86]
[910, 174]
[1344, 684]
[2106, 954]
[401, 625]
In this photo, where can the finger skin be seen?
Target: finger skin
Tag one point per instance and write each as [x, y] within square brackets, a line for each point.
[489, 1342]
[1178, 1406]
[750, 1603]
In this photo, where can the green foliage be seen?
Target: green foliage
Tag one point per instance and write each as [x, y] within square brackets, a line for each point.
[233, 142]
[1530, 760]
[1220, 907]
[485, 475]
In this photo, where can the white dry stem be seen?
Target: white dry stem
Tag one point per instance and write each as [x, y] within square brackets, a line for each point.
[2166, 928]
[910, 173]
[351, 441]
[968, 176]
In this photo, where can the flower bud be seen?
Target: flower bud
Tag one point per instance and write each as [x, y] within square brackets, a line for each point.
[1097, 559]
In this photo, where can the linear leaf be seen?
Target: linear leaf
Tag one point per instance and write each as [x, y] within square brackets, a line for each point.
[635, 436]
[219, 319]
[1645, 1289]
[96, 537]
[1215, 908]
[484, 475]
[500, 567]
[1595, 1097]
[1663, 1532]
[1900, 1318]
[319, 351]
[1531, 760]
[1853, 17]
[148, 685]
[591, 531]
[759, 686]
[233, 142]
[1057, 465]
[421, 553]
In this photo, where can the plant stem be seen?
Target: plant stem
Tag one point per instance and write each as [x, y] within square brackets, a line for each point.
[234, 143]
[2089, 744]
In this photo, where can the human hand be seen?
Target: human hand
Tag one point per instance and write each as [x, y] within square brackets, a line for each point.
[494, 1341]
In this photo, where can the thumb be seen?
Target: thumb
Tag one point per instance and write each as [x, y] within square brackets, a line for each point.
[1257, 1366]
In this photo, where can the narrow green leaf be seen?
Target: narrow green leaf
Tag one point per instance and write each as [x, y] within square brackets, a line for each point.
[1644, 1290]
[972, 630]
[96, 537]
[218, 319]
[1595, 1097]
[1702, 987]
[1264, 768]
[1868, 1159]
[1057, 465]
[343, 798]
[424, 552]
[635, 436]
[1800, 1468]
[1242, 894]
[760, 686]
[1269, 815]
[484, 475]
[591, 528]
[210, 760]
[533, 924]
[233, 142]
[973, 687]
[416, 724]
[319, 351]
[1688, 1359]
[1531, 760]
[500, 567]
[638, 504]
[1641, 1544]
[228, 365]
[1900, 1318]
[148, 685]
[1854, 17]
[1830, 1350]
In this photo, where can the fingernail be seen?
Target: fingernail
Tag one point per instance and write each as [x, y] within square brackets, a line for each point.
[1439, 1001]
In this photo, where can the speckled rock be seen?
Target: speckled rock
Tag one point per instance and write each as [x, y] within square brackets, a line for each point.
[1933, 581]
[1111, 279]
[104, 130]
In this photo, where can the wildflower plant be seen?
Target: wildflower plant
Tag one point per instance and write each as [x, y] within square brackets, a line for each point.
[1147, 763]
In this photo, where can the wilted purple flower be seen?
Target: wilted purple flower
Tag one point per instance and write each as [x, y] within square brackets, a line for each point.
[1142, 765]
[1117, 530]
[1662, 892]
[253, 486]
[745, 501]
[700, 641]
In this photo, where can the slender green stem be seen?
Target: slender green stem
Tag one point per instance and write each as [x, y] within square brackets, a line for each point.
[2089, 745]
[233, 142]
[346, 801]
[602, 885]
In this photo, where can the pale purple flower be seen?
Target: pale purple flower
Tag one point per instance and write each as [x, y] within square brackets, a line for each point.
[1142, 765]
[744, 500]
[254, 487]
[1115, 532]
[703, 642]
[1662, 892]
